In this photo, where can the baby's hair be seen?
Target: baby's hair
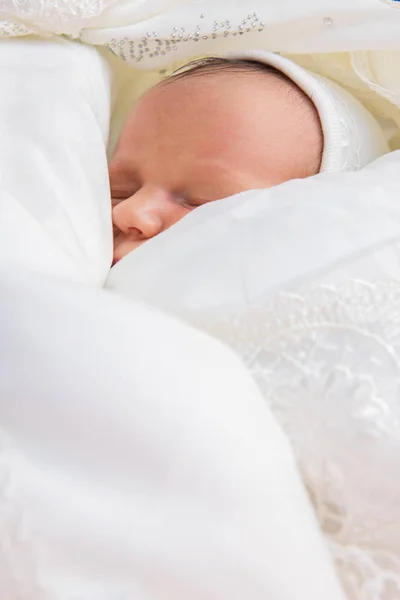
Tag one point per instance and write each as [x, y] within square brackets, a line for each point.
[213, 65]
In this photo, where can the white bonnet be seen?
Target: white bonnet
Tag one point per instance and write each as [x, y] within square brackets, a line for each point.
[352, 136]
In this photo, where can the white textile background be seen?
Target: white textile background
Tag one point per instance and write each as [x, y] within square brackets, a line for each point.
[301, 280]
[284, 26]
[138, 460]
[54, 193]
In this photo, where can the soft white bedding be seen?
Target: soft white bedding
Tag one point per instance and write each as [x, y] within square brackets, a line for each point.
[54, 198]
[138, 458]
[302, 281]
[139, 461]
[234, 255]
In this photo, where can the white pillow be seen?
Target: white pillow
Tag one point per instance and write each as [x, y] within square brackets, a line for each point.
[54, 193]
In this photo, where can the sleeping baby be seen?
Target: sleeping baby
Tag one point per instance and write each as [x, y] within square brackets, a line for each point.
[218, 127]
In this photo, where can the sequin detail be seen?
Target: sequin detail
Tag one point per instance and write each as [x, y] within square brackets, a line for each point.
[152, 46]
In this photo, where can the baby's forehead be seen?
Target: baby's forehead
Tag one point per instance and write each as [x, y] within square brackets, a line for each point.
[236, 107]
[217, 88]
[251, 109]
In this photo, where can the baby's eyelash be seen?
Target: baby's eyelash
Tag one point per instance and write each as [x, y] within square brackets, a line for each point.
[190, 204]
[194, 203]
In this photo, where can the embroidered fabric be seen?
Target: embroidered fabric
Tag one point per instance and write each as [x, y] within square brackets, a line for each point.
[13, 29]
[328, 363]
[167, 491]
[208, 26]
[349, 132]
[204, 28]
[48, 10]
[26, 17]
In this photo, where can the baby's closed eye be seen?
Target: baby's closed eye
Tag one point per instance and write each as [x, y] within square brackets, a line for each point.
[191, 204]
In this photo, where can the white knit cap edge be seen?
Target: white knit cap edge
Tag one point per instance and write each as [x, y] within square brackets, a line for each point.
[352, 136]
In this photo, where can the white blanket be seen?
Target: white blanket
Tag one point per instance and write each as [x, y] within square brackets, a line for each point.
[307, 294]
[54, 194]
[303, 282]
[284, 26]
[138, 459]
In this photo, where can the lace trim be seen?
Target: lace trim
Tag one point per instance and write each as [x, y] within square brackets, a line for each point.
[350, 139]
[367, 574]
[328, 363]
[25, 17]
[53, 15]
[152, 46]
[45, 11]
[13, 29]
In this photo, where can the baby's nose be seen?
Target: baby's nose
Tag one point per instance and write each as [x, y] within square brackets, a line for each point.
[134, 216]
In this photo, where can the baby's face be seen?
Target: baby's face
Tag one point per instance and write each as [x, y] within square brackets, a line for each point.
[195, 140]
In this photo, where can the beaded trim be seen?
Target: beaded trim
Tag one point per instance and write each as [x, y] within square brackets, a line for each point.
[152, 46]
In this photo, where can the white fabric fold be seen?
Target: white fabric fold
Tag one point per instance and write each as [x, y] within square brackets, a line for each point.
[138, 460]
[237, 252]
[54, 191]
[285, 26]
[302, 281]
